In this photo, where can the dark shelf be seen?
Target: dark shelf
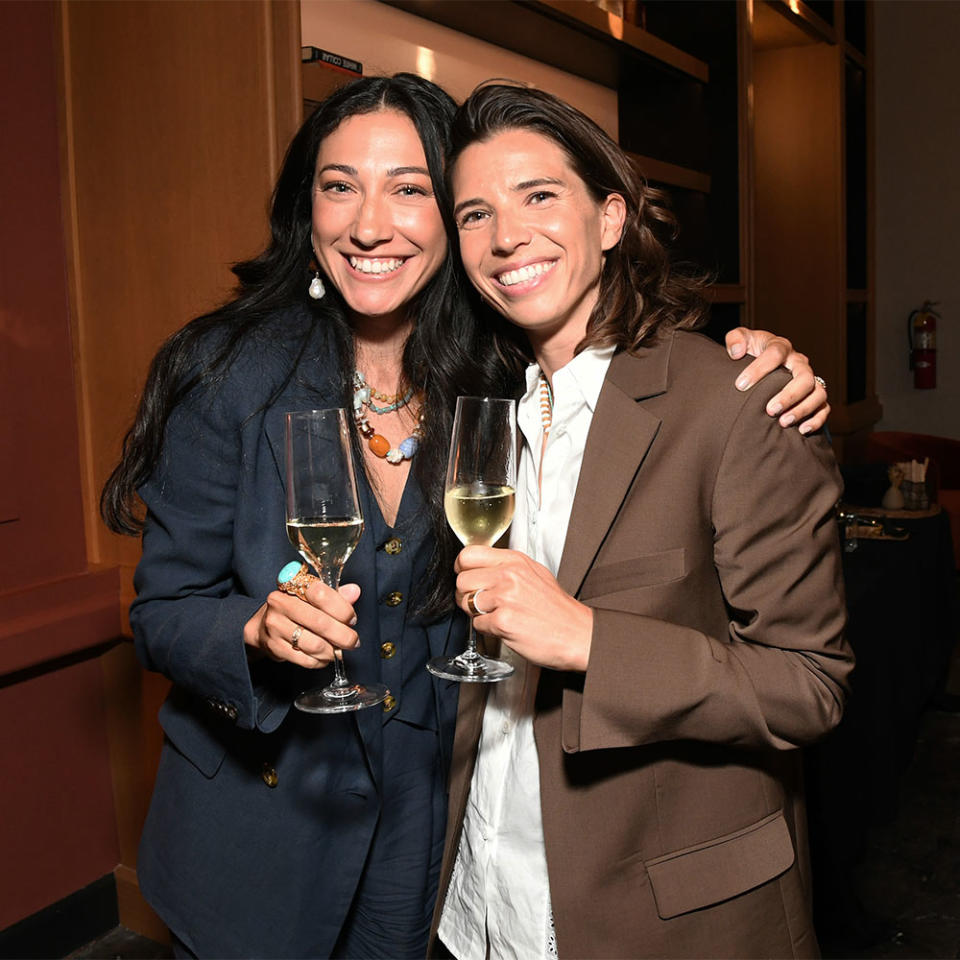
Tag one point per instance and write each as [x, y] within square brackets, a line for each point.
[664, 116]
[822, 8]
[855, 97]
[722, 319]
[705, 241]
[855, 24]
[856, 352]
[694, 125]
[574, 36]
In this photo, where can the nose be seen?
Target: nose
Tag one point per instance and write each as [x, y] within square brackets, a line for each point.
[373, 224]
[509, 232]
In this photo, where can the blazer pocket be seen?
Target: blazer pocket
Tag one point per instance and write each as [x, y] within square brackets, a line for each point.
[191, 737]
[648, 571]
[719, 869]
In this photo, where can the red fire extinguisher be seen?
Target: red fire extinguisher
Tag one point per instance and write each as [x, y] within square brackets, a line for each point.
[922, 334]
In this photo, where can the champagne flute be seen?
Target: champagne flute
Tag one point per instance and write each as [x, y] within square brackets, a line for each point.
[478, 500]
[324, 524]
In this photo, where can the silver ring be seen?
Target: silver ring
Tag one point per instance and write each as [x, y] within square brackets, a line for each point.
[821, 381]
[475, 611]
[295, 639]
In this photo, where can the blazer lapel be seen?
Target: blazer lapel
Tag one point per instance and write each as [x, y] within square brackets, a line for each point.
[620, 435]
[312, 386]
[274, 425]
[274, 421]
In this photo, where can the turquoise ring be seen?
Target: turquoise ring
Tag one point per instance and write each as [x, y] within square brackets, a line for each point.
[295, 578]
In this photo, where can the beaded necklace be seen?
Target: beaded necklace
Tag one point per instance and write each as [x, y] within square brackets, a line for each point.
[546, 406]
[363, 396]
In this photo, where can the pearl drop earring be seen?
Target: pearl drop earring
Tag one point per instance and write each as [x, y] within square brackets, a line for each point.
[316, 288]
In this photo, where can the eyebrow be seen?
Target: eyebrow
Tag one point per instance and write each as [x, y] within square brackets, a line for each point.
[539, 182]
[392, 172]
[404, 171]
[517, 188]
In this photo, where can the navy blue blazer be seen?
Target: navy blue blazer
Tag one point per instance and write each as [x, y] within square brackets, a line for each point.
[254, 802]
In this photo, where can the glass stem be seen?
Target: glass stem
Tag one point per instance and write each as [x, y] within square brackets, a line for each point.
[331, 577]
[470, 654]
[340, 673]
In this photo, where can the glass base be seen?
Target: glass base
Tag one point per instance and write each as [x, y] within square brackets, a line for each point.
[357, 696]
[467, 669]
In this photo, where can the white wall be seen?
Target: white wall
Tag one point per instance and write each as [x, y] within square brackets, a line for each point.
[386, 40]
[918, 204]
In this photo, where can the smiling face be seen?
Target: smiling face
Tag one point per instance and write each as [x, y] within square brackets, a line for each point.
[377, 230]
[532, 238]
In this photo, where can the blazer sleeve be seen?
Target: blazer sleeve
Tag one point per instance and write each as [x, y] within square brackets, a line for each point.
[189, 613]
[779, 678]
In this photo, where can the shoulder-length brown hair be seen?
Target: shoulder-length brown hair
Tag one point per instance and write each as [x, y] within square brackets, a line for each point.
[642, 292]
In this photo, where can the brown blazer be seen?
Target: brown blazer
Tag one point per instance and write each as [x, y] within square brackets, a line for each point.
[703, 536]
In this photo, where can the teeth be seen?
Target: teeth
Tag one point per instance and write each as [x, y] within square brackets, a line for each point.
[525, 273]
[366, 265]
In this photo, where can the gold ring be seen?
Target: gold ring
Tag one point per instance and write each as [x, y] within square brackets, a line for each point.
[295, 639]
[297, 581]
[475, 611]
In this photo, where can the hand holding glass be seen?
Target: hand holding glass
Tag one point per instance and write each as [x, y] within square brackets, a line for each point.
[479, 500]
[324, 524]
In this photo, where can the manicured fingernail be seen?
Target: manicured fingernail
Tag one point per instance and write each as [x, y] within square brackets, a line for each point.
[353, 622]
[804, 428]
[787, 420]
[743, 383]
[774, 409]
[736, 351]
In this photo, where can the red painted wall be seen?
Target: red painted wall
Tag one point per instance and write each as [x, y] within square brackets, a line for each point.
[42, 490]
[57, 820]
[57, 832]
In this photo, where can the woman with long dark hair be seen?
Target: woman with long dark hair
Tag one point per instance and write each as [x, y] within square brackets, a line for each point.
[273, 833]
[633, 789]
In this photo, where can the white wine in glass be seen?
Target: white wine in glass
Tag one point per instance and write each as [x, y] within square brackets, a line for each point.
[479, 499]
[329, 542]
[324, 524]
[479, 512]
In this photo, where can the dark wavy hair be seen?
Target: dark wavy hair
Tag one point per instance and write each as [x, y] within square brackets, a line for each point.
[642, 292]
[446, 354]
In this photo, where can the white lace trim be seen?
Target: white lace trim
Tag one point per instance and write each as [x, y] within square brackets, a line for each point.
[551, 950]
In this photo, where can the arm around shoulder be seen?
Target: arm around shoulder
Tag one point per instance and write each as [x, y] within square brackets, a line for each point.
[777, 679]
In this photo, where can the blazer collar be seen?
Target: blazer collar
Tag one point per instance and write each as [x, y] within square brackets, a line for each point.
[620, 436]
[298, 396]
[644, 373]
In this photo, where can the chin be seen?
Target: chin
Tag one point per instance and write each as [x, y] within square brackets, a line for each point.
[376, 307]
[529, 318]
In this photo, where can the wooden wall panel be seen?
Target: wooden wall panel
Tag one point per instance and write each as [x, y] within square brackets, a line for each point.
[175, 118]
[174, 135]
[798, 227]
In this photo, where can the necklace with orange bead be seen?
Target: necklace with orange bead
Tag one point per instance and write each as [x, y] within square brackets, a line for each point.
[364, 396]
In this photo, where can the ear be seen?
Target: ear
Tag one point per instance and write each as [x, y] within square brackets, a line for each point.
[613, 215]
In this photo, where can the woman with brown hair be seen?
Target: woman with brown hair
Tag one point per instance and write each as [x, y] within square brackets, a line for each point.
[675, 622]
